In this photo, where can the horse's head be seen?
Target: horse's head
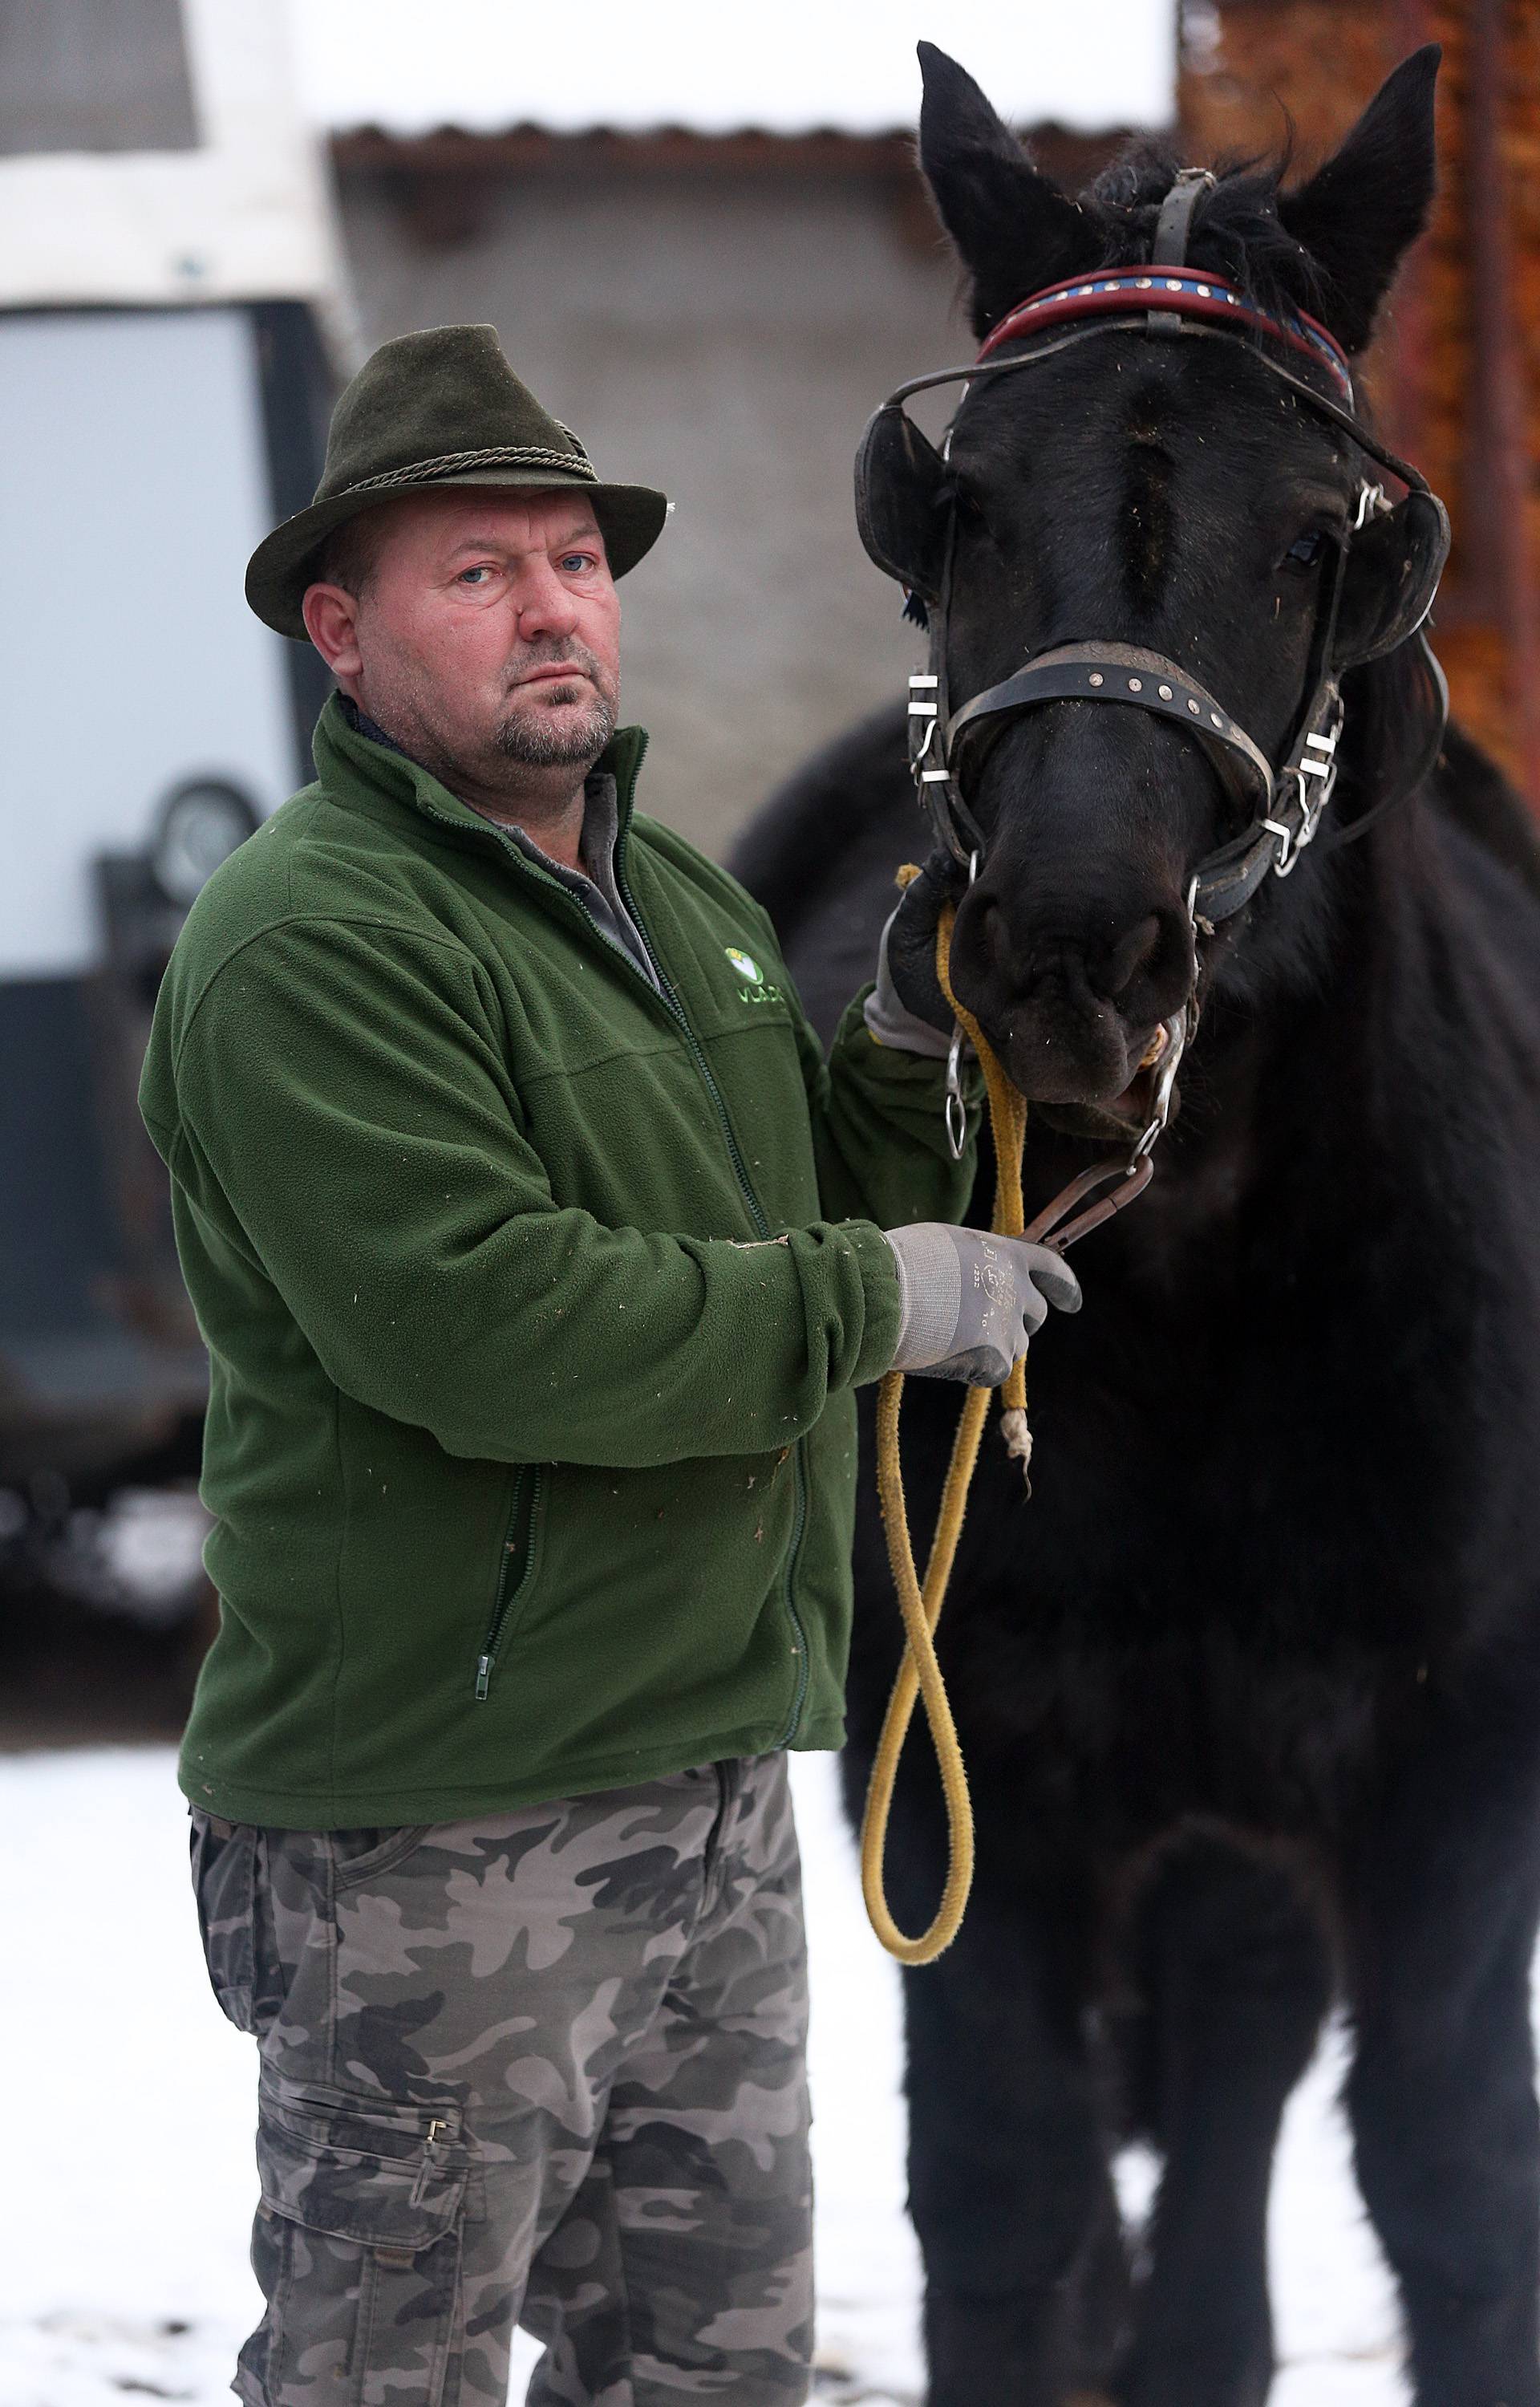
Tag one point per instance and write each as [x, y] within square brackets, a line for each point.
[1171, 495]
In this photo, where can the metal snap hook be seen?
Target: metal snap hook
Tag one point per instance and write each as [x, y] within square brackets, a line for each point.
[956, 1109]
[1175, 1045]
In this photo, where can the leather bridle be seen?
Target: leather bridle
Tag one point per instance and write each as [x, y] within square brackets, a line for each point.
[1286, 799]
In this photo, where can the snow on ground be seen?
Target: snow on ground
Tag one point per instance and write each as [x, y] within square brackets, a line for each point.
[129, 2102]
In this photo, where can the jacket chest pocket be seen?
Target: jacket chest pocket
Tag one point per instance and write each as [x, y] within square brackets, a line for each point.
[357, 2247]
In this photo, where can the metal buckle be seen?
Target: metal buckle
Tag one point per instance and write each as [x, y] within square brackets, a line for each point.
[1286, 859]
[1314, 812]
[1318, 761]
[923, 705]
[1292, 841]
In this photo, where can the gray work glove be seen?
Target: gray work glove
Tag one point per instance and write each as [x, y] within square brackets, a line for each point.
[906, 1008]
[972, 1301]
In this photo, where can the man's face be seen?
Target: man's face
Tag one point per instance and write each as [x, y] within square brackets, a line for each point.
[486, 637]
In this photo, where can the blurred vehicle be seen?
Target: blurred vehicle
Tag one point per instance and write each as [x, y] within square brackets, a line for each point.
[171, 329]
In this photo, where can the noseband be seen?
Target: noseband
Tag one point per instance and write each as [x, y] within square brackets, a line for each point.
[1285, 800]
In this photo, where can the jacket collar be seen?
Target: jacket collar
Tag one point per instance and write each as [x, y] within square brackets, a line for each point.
[368, 773]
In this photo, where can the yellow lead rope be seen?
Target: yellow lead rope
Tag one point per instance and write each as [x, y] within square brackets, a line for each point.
[919, 1673]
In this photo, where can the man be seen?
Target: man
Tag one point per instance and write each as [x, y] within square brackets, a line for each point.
[538, 1254]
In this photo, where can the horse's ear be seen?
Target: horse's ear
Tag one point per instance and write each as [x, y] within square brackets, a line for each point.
[1358, 212]
[1014, 231]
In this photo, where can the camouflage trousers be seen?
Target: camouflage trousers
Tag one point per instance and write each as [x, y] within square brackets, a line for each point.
[546, 2067]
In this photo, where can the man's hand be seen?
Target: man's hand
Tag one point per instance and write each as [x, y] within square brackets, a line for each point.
[907, 1007]
[972, 1301]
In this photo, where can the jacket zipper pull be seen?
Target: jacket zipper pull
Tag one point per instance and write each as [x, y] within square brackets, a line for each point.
[484, 1675]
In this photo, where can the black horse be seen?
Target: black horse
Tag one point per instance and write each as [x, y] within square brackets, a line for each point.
[1249, 1691]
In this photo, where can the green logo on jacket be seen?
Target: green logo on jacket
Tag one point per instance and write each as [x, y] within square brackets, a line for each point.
[754, 988]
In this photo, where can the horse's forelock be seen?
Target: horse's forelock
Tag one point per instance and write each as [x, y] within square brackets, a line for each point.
[1235, 230]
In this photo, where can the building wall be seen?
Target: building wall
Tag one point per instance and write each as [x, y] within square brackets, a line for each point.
[724, 338]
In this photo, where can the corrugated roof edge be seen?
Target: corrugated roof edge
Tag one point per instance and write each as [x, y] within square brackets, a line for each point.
[1068, 152]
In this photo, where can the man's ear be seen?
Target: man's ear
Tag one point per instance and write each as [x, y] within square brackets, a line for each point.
[1359, 213]
[1012, 229]
[331, 616]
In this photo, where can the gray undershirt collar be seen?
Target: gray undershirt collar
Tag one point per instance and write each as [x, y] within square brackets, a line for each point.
[599, 890]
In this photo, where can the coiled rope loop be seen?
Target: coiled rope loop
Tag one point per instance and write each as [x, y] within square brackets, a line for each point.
[919, 1673]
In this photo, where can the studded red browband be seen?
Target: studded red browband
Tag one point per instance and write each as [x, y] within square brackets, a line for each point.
[1180, 293]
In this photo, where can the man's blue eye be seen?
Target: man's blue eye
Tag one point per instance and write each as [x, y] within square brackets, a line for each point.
[577, 560]
[467, 573]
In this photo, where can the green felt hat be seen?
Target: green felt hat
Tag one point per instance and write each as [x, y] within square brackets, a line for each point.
[441, 407]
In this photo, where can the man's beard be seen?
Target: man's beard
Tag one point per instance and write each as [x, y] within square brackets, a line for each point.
[538, 736]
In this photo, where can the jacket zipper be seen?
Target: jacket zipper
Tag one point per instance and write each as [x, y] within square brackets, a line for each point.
[799, 1516]
[675, 1009]
[507, 1589]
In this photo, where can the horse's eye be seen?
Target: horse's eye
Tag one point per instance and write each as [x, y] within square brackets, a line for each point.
[1306, 549]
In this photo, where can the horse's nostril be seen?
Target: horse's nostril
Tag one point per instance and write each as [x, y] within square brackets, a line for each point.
[1123, 963]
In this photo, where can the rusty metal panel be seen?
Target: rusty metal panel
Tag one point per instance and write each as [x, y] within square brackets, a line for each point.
[1455, 373]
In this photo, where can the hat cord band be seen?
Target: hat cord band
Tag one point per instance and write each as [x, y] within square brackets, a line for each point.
[503, 455]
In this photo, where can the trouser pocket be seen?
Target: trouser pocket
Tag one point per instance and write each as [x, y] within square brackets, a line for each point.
[223, 1858]
[357, 2247]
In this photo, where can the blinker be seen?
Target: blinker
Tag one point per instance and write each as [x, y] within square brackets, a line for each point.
[900, 482]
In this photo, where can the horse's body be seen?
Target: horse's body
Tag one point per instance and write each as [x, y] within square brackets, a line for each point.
[1249, 1691]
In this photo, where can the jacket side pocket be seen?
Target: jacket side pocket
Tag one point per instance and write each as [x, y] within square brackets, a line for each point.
[360, 2235]
[516, 1569]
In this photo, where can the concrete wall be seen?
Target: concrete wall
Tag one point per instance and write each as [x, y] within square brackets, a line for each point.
[724, 338]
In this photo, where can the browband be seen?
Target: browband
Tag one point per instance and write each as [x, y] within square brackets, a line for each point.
[1175, 292]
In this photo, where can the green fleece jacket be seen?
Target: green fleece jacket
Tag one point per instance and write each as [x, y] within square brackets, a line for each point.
[534, 1300]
